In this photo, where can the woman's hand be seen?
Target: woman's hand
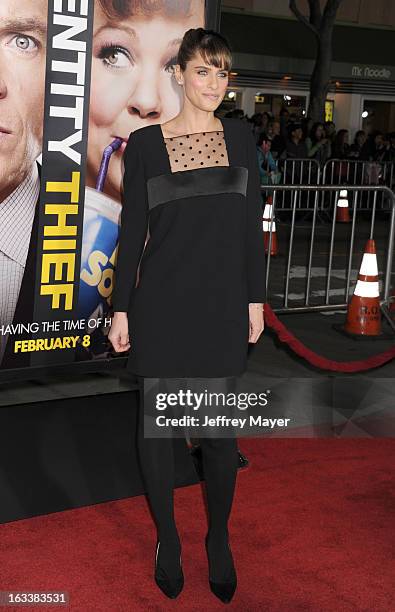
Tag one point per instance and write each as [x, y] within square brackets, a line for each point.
[119, 332]
[257, 323]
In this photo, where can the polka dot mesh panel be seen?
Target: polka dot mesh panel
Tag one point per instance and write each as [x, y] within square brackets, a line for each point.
[199, 150]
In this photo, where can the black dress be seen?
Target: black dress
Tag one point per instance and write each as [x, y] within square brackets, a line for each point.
[204, 261]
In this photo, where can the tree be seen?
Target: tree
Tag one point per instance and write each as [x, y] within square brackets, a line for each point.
[321, 23]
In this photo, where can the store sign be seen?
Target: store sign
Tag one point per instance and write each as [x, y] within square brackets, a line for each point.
[371, 72]
[329, 107]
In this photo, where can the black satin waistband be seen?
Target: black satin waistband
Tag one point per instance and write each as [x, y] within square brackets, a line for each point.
[196, 182]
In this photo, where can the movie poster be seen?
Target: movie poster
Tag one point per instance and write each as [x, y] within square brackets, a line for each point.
[76, 78]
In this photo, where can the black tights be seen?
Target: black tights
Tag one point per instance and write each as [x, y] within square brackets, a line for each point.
[220, 461]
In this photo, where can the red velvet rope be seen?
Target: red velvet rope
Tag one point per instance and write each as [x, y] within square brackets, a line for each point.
[322, 362]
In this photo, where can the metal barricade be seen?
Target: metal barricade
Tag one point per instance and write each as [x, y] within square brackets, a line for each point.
[354, 172]
[321, 261]
[298, 172]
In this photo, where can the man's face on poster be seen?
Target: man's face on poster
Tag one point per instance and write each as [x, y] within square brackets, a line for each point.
[23, 25]
[132, 81]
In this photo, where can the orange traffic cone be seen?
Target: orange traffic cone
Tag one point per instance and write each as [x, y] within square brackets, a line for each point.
[363, 314]
[342, 209]
[267, 221]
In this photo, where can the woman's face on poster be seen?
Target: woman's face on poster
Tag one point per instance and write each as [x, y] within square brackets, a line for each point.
[132, 82]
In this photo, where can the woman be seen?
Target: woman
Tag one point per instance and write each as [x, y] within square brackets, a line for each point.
[340, 150]
[357, 146]
[341, 146]
[199, 301]
[318, 147]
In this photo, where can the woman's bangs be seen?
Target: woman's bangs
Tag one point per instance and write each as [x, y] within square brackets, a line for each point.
[217, 56]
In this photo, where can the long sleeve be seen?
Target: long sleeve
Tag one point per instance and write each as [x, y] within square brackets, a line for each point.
[134, 223]
[256, 263]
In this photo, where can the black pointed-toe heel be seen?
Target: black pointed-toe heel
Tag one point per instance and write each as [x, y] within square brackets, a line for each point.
[223, 590]
[171, 587]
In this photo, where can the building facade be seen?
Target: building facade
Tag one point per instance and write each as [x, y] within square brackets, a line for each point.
[274, 57]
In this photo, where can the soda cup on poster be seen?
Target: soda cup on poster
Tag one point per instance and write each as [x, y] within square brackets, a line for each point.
[98, 254]
[99, 244]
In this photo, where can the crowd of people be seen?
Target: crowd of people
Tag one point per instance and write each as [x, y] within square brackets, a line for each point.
[287, 137]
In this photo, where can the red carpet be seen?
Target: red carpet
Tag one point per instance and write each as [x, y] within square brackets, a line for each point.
[312, 530]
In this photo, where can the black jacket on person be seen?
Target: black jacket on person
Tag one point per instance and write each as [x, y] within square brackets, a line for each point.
[296, 151]
[278, 146]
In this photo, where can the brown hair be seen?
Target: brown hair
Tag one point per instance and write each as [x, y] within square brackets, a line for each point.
[120, 9]
[211, 45]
